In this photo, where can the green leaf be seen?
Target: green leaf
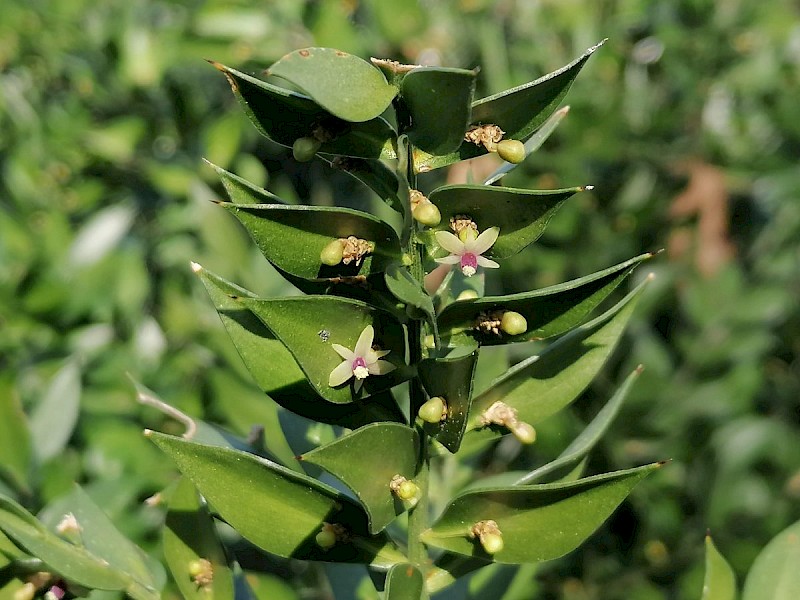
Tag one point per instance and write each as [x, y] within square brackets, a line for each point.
[188, 536]
[292, 237]
[411, 292]
[404, 582]
[15, 439]
[538, 522]
[53, 419]
[241, 191]
[580, 447]
[275, 370]
[521, 215]
[542, 385]
[283, 116]
[308, 325]
[344, 85]
[548, 311]
[519, 112]
[450, 378]
[366, 460]
[376, 176]
[278, 510]
[74, 563]
[719, 582]
[439, 101]
[774, 573]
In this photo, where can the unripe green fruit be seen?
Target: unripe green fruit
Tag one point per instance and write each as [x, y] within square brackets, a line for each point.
[427, 213]
[513, 323]
[492, 543]
[524, 432]
[407, 490]
[332, 254]
[195, 568]
[467, 295]
[433, 410]
[305, 148]
[325, 539]
[512, 151]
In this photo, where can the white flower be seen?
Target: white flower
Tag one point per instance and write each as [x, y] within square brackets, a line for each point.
[467, 254]
[361, 362]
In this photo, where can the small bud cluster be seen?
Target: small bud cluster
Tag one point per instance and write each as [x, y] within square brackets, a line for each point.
[346, 250]
[491, 136]
[330, 534]
[498, 322]
[489, 535]
[501, 413]
[202, 572]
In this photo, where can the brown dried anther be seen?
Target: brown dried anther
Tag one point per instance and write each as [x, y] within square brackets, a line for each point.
[483, 528]
[355, 249]
[458, 223]
[500, 413]
[489, 321]
[488, 135]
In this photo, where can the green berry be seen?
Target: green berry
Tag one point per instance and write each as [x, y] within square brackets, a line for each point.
[513, 323]
[427, 213]
[524, 432]
[196, 567]
[326, 538]
[433, 410]
[331, 254]
[467, 295]
[512, 151]
[407, 490]
[492, 543]
[305, 148]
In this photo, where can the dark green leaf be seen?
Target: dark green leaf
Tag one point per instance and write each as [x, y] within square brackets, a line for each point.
[275, 370]
[54, 418]
[308, 325]
[404, 582]
[519, 112]
[278, 510]
[376, 176]
[719, 582]
[439, 101]
[583, 444]
[538, 522]
[366, 460]
[283, 116]
[542, 385]
[450, 378]
[408, 290]
[549, 311]
[521, 215]
[774, 573]
[292, 237]
[344, 85]
[241, 191]
[188, 536]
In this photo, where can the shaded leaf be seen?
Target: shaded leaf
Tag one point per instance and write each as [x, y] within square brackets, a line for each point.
[408, 290]
[774, 573]
[343, 84]
[439, 101]
[376, 176]
[542, 385]
[292, 237]
[519, 111]
[275, 370]
[580, 447]
[366, 460]
[241, 191]
[538, 522]
[277, 509]
[53, 419]
[719, 582]
[404, 582]
[521, 215]
[548, 311]
[189, 536]
[450, 378]
[15, 439]
[283, 116]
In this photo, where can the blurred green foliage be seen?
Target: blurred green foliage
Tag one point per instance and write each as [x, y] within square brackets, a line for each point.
[684, 122]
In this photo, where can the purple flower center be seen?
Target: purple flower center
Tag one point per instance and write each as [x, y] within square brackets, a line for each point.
[359, 362]
[468, 259]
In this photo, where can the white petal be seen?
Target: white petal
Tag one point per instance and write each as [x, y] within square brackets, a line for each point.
[484, 241]
[449, 260]
[450, 242]
[489, 264]
[344, 352]
[340, 374]
[381, 367]
[374, 355]
[364, 343]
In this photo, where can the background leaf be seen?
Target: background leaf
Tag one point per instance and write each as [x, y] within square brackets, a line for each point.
[719, 582]
[53, 419]
[774, 573]
[15, 439]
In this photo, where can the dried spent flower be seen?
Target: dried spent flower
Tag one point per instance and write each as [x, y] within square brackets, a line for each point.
[488, 135]
[489, 535]
[502, 414]
[355, 249]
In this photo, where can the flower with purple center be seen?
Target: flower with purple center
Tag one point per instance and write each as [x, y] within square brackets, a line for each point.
[360, 362]
[466, 249]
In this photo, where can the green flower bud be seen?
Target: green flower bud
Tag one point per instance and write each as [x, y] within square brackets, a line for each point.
[326, 538]
[467, 295]
[332, 254]
[196, 567]
[305, 148]
[524, 432]
[512, 151]
[407, 490]
[492, 543]
[513, 323]
[427, 213]
[433, 410]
